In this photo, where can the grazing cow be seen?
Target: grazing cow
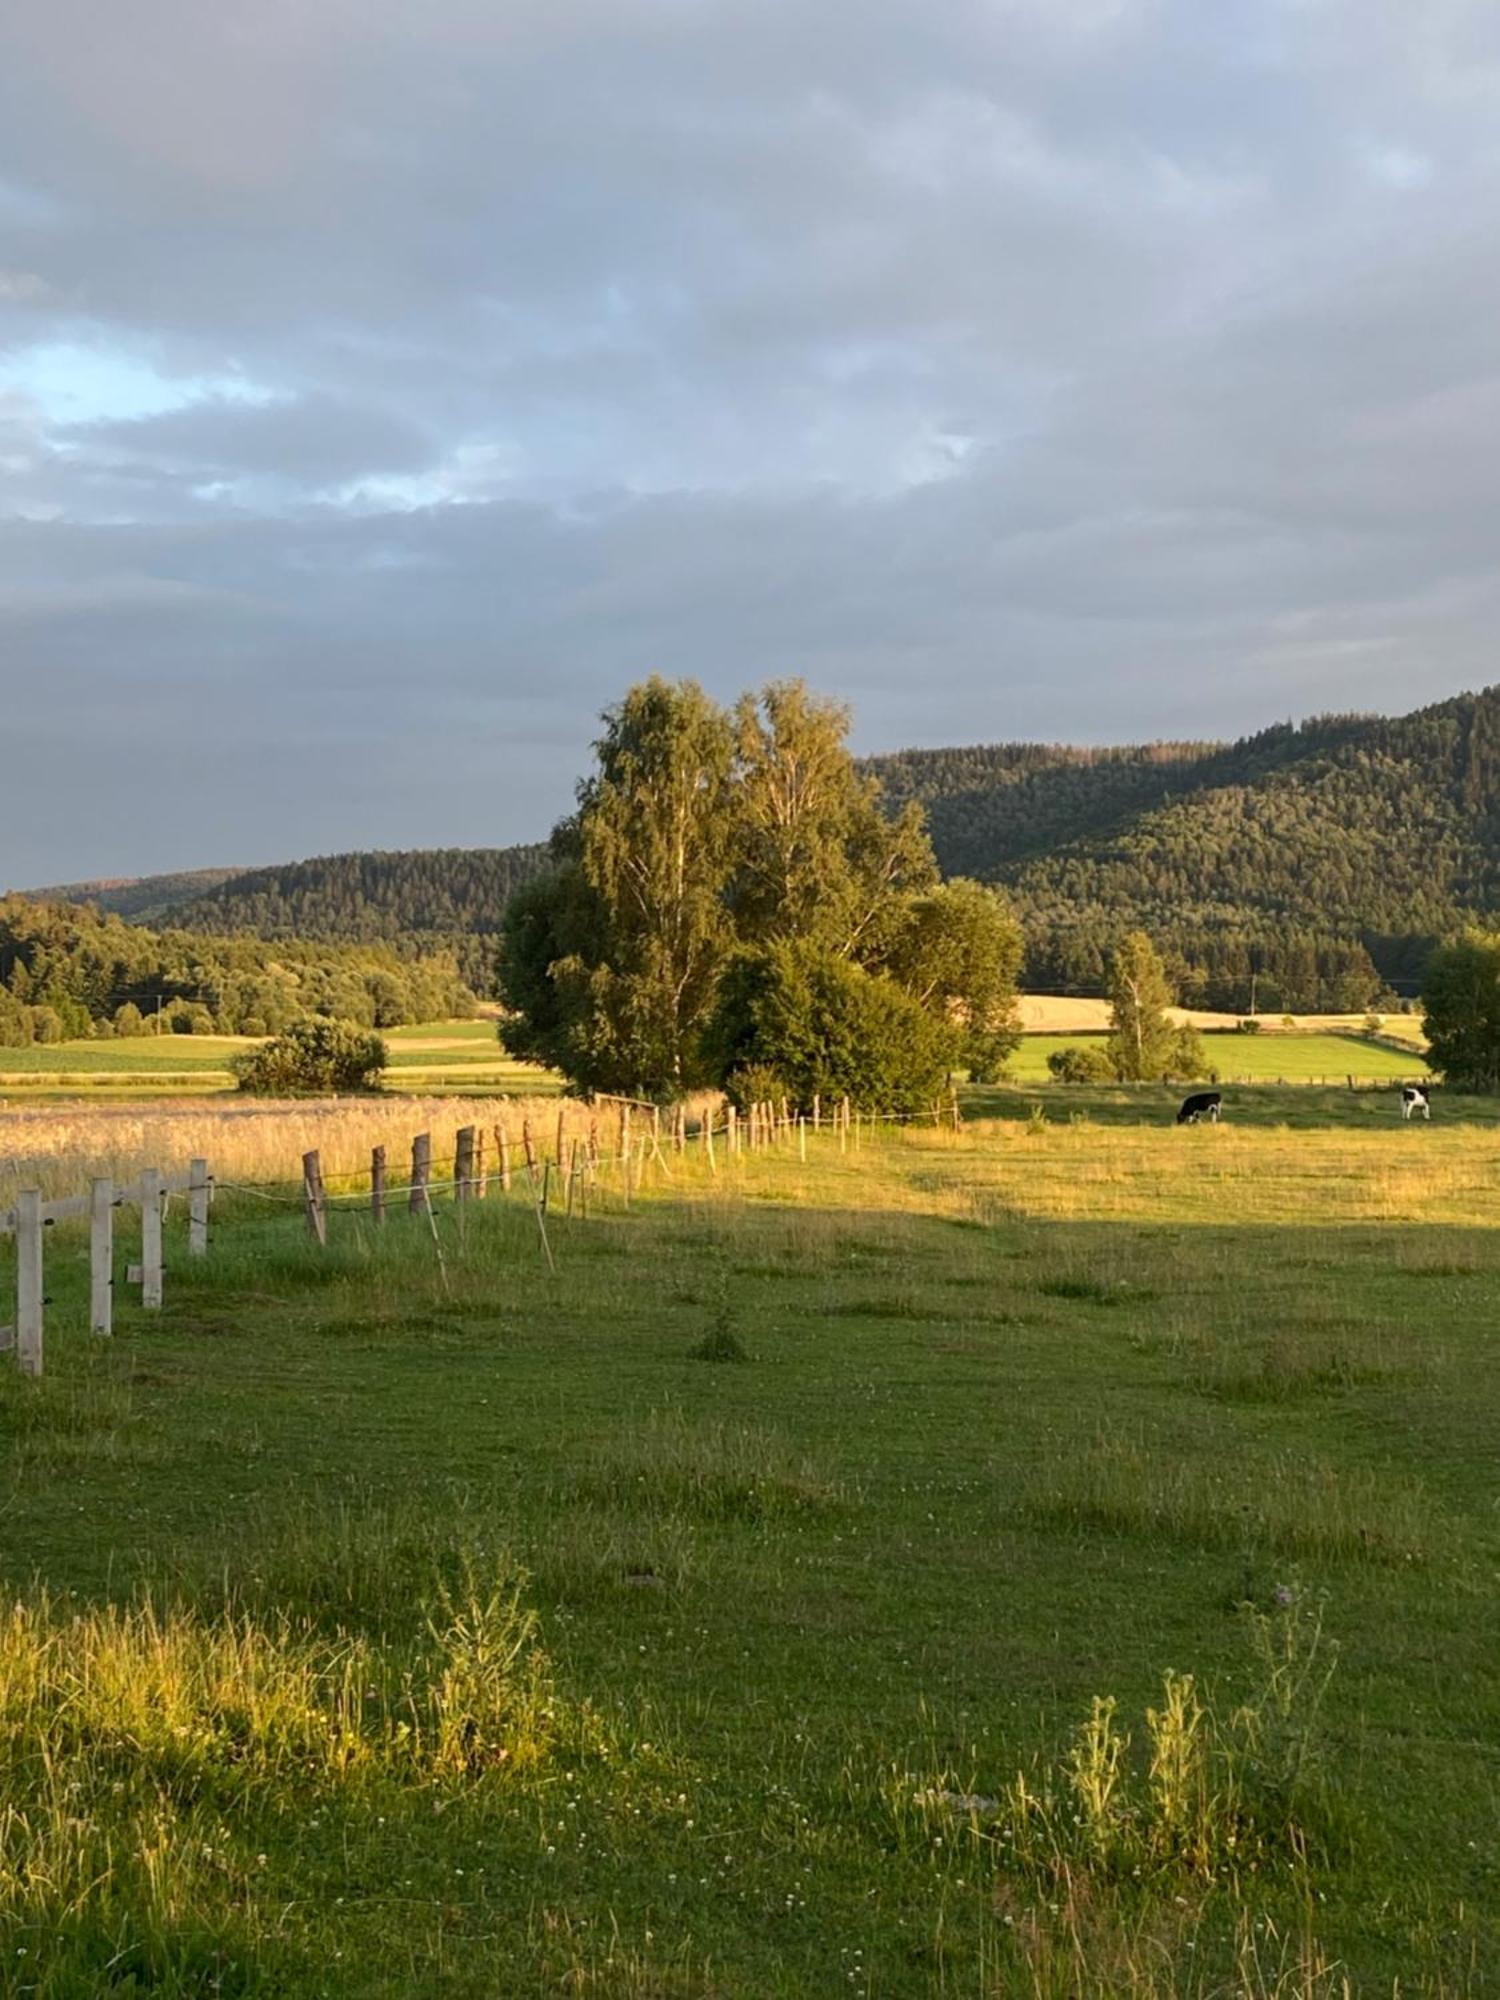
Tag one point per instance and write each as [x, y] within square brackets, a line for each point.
[1414, 1102]
[1202, 1104]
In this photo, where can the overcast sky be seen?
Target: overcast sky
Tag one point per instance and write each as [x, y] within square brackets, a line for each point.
[383, 387]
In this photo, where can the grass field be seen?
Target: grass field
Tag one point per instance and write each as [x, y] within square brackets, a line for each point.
[376, 1626]
[440, 1057]
[1292, 1056]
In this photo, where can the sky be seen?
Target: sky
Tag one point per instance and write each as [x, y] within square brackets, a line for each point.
[383, 388]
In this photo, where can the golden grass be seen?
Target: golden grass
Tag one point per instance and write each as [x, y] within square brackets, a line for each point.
[60, 1148]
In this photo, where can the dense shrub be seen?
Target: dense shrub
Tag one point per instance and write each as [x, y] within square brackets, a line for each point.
[314, 1055]
[1081, 1065]
[825, 1028]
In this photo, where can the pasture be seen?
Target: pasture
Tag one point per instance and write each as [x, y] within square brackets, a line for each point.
[1324, 1055]
[759, 1606]
[439, 1057]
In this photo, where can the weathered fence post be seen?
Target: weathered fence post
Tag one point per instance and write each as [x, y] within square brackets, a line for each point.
[312, 1195]
[198, 1208]
[377, 1185]
[481, 1171]
[421, 1173]
[151, 1238]
[679, 1130]
[731, 1130]
[528, 1145]
[502, 1151]
[802, 1137]
[29, 1280]
[561, 1116]
[463, 1163]
[816, 1113]
[624, 1131]
[101, 1255]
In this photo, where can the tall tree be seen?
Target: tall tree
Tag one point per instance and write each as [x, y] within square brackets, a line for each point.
[816, 857]
[958, 954]
[1461, 995]
[613, 962]
[1141, 1037]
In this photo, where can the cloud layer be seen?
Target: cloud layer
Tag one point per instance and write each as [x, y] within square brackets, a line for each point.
[381, 388]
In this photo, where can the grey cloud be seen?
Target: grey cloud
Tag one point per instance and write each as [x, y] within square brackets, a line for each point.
[1059, 367]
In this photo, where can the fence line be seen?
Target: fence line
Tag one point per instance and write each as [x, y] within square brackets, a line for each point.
[576, 1166]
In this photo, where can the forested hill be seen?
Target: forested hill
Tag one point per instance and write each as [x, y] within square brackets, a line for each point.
[449, 898]
[1356, 828]
[140, 899]
[1300, 867]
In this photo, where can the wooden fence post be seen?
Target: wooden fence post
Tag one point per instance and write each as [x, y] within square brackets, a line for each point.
[198, 1208]
[312, 1195]
[421, 1173]
[708, 1139]
[377, 1186]
[529, 1146]
[463, 1163]
[29, 1281]
[502, 1153]
[151, 1238]
[624, 1131]
[731, 1130]
[802, 1137]
[679, 1130]
[561, 1116]
[481, 1172]
[101, 1256]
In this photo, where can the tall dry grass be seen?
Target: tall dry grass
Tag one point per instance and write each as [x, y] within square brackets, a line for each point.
[58, 1148]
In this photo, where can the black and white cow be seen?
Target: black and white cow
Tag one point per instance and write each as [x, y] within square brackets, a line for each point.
[1202, 1104]
[1414, 1102]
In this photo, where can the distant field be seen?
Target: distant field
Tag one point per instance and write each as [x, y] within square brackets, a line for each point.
[1297, 1057]
[440, 1057]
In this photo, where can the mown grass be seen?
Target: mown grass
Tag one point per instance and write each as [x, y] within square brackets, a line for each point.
[1291, 1055]
[1082, 1584]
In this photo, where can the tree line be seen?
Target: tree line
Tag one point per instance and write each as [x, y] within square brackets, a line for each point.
[731, 904]
[68, 971]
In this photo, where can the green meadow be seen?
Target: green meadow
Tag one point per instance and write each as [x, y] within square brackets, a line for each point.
[1289, 1056]
[1057, 1558]
[444, 1056]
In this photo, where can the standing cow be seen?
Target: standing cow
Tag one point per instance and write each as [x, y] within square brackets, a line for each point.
[1414, 1102]
[1202, 1104]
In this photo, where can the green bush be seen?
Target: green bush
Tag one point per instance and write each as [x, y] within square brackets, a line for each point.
[314, 1055]
[1081, 1065]
[1185, 1055]
[823, 1027]
[1249, 1026]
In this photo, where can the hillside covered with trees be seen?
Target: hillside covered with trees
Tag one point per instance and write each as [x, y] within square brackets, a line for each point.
[1306, 867]
[69, 970]
[1303, 867]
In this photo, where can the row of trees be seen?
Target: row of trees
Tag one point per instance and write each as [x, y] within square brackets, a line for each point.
[730, 904]
[69, 971]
